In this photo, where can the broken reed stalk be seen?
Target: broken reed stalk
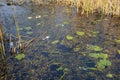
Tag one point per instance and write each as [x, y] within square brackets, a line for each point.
[17, 28]
[2, 43]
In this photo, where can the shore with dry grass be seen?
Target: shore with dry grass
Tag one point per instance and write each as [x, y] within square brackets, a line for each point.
[107, 7]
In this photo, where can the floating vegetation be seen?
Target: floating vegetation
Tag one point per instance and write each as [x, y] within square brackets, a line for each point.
[117, 40]
[60, 68]
[38, 24]
[76, 49]
[93, 33]
[28, 28]
[20, 56]
[102, 64]
[98, 55]
[29, 33]
[118, 51]
[94, 48]
[55, 42]
[65, 22]
[68, 37]
[80, 33]
[20, 29]
[109, 75]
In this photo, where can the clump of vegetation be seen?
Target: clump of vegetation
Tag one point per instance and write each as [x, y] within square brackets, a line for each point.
[68, 37]
[55, 42]
[94, 48]
[98, 55]
[80, 33]
[20, 56]
[102, 64]
[118, 51]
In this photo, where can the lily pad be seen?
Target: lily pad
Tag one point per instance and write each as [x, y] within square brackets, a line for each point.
[80, 33]
[55, 42]
[28, 28]
[68, 37]
[94, 48]
[29, 33]
[99, 55]
[102, 64]
[20, 56]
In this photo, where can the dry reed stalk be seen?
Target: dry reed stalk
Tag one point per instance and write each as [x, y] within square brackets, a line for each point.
[2, 43]
[17, 28]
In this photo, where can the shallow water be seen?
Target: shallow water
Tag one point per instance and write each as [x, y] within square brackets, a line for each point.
[65, 59]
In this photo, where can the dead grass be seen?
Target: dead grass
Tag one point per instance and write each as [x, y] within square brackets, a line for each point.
[108, 7]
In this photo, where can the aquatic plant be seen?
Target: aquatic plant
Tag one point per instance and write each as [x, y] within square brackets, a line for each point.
[118, 51]
[28, 28]
[20, 29]
[94, 48]
[102, 64]
[98, 55]
[76, 49]
[20, 56]
[80, 33]
[29, 33]
[55, 42]
[117, 40]
[68, 37]
[109, 75]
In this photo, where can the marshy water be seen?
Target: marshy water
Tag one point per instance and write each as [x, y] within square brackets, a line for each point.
[69, 46]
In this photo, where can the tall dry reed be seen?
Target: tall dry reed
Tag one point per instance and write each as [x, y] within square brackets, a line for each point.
[89, 6]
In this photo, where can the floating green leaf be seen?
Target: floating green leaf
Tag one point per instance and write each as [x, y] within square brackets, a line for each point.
[102, 64]
[68, 37]
[29, 33]
[99, 55]
[20, 56]
[55, 42]
[80, 33]
[28, 28]
[109, 75]
[118, 51]
[94, 48]
[20, 29]
[76, 49]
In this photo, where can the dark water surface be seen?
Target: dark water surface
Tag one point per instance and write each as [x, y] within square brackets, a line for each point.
[46, 60]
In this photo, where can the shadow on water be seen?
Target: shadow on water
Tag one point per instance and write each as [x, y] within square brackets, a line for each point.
[53, 56]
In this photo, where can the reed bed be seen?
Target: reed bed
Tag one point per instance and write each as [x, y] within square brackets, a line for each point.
[107, 7]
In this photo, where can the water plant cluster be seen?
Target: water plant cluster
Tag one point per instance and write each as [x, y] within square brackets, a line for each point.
[102, 58]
